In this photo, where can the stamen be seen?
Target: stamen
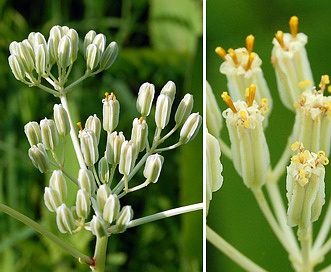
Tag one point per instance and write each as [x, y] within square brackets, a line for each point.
[250, 60]
[250, 43]
[297, 146]
[243, 117]
[250, 95]
[303, 84]
[221, 52]
[79, 124]
[141, 119]
[227, 99]
[233, 55]
[106, 95]
[324, 81]
[264, 102]
[294, 22]
[321, 155]
[280, 38]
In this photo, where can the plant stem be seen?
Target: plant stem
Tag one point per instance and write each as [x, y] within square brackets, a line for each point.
[304, 236]
[232, 252]
[100, 254]
[42, 230]
[325, 228]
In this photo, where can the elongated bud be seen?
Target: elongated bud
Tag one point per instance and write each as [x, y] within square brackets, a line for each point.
[32, 132]
[41, 59]
[123, 219]
[103, 170]
[61, 120]
[190, 128]
[58, 183]
[110, 112]
[54, 39]
[153, 167]
[127, 158]
[17, 67]
[100, 41]
[39, 157]
[102, 195]
[26, 53]
[109, 56]
[36, 39]
[305, 186]
[89, 146]
[170, 90]
[214, 119]
[64, 52]
[113, 149]
[162, 111]
[86, 181]
[49, 134]
[89, 37]
[65, 220]
[52, 199]
[111, 209]
[93, 123]
[74, 38]
[92, 56]
[145, 99]
[98, 226]
[184, 109]
[83, 203]
[139, 133]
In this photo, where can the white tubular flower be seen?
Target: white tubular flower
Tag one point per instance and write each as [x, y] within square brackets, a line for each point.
[145, 99]
[109, 56]
[153, 167]
[98, 226]
[139, 133]
[190, 128]
[114, 145]
[248, 144]
[242, 68]
[102, 194]
[110, 112]
[103, 170]
[65, 220]
[123, 219]
[305, 186]
[111, 209]
[59, 184]
[214, 119]
[49, 134]
[162, 111]
[39, 157]
[184, 109]
[61, 119]
[52, 199]
[127, 158]
[214, 167]
[313, 118]
[83, 203]
[88, 145]
[93, 123]
[291, 63]
[32, 132]
[86, 181]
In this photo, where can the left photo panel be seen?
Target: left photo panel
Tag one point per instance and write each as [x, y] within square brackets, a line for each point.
[101, 136]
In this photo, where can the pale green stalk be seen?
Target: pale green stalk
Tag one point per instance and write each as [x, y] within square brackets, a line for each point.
[324, 230]
[100, 253]
[304, 236]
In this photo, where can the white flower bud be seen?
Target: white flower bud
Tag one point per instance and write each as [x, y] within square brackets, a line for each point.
[163, 109]
[52, 199]
[184, 109]
[103, 170]
[102, 195]
[25, 52]
[305, 186]
[100, 41]
[36, 39]
[39, 157]
[93, 123]
[145, 99]
[127, 158]
[123, 219]
[170, 90]
[32, 132]
[49, 134]
[59, 184]
[214, 119]
[109, 56]
[98, 226]
[113, 149]
[17, 67]
[153, 168]
[89, 37]
[74, 38]
[110, 112]
[92, 56]
[41, 59]
[111, 209]
[55, 36]
[65, 220]
[61, 119]
[83, 203]
[86, 181]
[190, 128]
[64, 52]
[89, 146]
[139, 133]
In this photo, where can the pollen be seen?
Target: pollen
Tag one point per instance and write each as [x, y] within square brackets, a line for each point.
[264, 109]
[221, 52]
[305, 83]
[250, 60]
[243, 118]
[79, 124]
[322, 156]
[250, 43]
[233, 55]
[294, 22]
[250, 95]
[227, 99]
[141, 119]
[324, 81]
[280, 38]
[297, 146]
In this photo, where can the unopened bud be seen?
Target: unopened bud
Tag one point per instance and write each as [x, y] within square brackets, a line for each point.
[102, 195]
[190, 128]
[110, 112]
[17, 67]
[113, 149]
[139, 133]
[52, 199]
[145, 99]
[83, 203]
[65, 220]
[58, 183]
[89, 146]
[39, 157]
[98, 227]
[93, 123]
[111, 209]
[86, 180]
[41, 58]
[123, 219]
[64, 52]
[103, 170]
[32, 132]
[61, 120]
[92, 56]
[74, 38]
[49, 134]
[127, 158]
[184, 109]
[153, 168]
[170, 90]
[89, 37]
[109, 56]
[163, 109]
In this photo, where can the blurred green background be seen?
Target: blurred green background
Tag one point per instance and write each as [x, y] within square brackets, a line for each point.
[159, 41]
[233, 211]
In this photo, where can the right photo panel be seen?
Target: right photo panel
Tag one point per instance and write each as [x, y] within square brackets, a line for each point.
[268, 136]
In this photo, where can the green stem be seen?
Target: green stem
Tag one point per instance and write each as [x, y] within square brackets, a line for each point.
[100, 254]
[42, 230]
[232, 252]
[304, 236]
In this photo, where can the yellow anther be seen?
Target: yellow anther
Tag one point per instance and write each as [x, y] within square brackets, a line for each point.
[250, 95]
[324, 81]
[141, 119]
[302, 173]
[294, 22]
[322, 156]
[79, 124]
[303, 84]
[296, 146]
[264, 110]
[327, 107]
[329, 89]
[233, 55]
[250, 43]
[295, 159]
[250, 60]
[227, 99]
[280, 38]
[243, 117]
[221, 52]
